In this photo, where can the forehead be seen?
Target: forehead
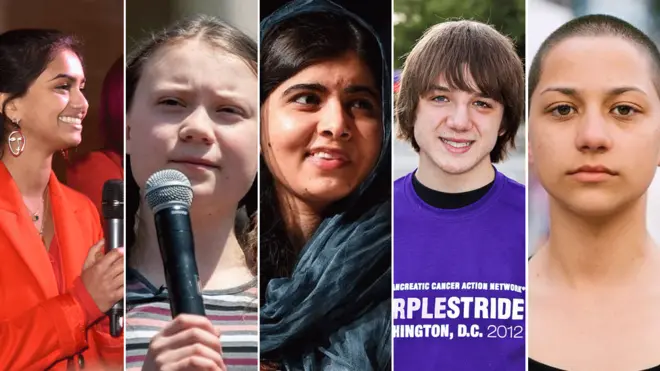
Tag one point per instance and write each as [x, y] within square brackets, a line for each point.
[462, 80]
[597, 62]
[64, 62]
[196, 63]
[347, 69]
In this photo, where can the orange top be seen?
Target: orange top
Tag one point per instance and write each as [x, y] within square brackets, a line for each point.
[39, 327]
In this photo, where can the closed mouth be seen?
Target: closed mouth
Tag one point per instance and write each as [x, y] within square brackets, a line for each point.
[594, 169]
[204, 163]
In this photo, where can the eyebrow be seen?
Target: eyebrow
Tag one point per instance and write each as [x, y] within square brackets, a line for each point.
[68, 77]
[611, 93]
[447, 90]
[352, 89]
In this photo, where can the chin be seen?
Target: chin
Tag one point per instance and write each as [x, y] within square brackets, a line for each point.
[594, 203]
[327, 192]
[455, 166]
[71, 142]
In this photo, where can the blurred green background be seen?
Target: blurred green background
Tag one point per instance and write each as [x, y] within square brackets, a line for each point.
[412, 17]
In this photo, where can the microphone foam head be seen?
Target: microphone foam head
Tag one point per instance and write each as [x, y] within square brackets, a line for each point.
[112, 199]
[168, 187]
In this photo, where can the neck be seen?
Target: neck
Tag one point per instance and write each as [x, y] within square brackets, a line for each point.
[300, 218]
[30, 171]
[432, 176]
[221, 262]
[604, 251]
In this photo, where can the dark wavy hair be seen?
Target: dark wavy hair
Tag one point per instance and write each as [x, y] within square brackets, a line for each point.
[220, 35]
[287, 48]
[24, 55]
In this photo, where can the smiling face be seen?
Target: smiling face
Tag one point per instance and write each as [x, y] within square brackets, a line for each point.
[199, 117]
[456, 130]
[322, 130]
[50, 114]
[595, 124]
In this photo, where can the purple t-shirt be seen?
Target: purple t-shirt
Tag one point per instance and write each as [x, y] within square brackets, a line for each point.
[459, 281]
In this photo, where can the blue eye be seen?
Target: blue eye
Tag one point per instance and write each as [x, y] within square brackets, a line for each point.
[482, 104]
[440, 98]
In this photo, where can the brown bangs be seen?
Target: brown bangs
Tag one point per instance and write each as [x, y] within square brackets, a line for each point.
[458, 50]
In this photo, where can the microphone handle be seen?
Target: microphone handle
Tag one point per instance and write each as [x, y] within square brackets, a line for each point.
[177, 249]
[114, 238]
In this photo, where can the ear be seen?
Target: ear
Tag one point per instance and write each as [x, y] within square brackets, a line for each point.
[11, 110]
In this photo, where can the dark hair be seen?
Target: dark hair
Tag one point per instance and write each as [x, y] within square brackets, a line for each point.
[24, 55]
[446, 49]
[594, 25]
[287, 48]
[220, 35]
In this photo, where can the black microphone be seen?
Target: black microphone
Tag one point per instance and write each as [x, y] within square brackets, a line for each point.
[169, 195]
[113, 231]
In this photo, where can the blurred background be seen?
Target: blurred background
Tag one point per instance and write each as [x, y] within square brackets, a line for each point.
[412, 17]
[146, 16]
[100, 26]
[543, 17]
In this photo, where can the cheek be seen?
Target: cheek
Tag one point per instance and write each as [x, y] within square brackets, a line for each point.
[488, 125]
[426, 121]
[149, 145]
[369, 147]
[288, 133]
[238, 146]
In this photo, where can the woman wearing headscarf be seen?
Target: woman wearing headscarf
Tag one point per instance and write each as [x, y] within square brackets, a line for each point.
[325, 191]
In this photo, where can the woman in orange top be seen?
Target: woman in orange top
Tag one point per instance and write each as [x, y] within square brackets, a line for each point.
[54, 289]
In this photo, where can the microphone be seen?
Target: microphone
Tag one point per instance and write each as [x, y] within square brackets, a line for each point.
[112, 203]
[169, 195]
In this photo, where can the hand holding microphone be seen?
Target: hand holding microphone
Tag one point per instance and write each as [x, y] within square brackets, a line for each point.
[103, 276]
[190, 341]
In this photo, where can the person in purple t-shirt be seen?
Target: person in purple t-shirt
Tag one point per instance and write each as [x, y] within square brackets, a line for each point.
[459, 224]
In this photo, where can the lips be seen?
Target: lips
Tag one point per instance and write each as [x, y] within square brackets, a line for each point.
[592, 173]
[196, 161]
[74, 121]
[328, 158]
[595, 169]
[456, 146]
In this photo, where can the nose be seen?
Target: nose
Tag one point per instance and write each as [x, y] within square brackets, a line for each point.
[459, 119]
[335, 122]
[78, 101]
[593, 134]
[197, 128]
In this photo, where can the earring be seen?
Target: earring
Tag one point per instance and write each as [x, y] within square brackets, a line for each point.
[16, 140]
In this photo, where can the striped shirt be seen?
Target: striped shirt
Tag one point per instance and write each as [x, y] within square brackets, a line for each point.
[233, 311]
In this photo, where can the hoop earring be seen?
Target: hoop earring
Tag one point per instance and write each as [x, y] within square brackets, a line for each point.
[16, 140]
